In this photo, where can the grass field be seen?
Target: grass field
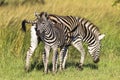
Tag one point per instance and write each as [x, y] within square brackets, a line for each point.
[14, 43]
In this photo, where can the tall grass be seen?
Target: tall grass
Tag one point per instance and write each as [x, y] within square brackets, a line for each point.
[14, 43]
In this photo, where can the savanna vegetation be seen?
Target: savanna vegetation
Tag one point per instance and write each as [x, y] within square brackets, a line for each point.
[14, 43]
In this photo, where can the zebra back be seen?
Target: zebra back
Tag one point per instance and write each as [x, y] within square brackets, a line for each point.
[72, 23]
[69, 21]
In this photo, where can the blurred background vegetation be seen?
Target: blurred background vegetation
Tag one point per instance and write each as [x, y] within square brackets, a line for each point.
[20, 2]
[116, 2]
[14, 43]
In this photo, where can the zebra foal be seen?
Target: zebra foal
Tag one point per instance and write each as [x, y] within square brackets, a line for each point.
[53, 37]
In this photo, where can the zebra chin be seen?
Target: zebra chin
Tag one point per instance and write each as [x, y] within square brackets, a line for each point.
[96, 60]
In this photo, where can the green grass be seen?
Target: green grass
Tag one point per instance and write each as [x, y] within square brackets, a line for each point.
[14, 43]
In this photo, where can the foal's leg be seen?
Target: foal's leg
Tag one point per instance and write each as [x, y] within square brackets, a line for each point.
[46, 57]
[63, 57]
[54, 60]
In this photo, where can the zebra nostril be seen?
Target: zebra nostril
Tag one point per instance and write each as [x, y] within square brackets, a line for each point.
[96, 60]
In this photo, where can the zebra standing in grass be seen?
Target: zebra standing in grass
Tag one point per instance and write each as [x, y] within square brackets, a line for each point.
[53, 37]
[82, 31]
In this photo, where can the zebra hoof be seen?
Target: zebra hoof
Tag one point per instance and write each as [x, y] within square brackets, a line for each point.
[80, 67]
[27, 69]
[54, 72]
[60, 69]
[46, 71]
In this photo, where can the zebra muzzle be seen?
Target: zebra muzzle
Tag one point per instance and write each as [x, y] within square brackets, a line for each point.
[96, 60]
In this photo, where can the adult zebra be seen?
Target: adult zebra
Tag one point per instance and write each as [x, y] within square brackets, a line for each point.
[82, 31]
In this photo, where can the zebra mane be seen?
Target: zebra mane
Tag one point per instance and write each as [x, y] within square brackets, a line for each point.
[96, 30]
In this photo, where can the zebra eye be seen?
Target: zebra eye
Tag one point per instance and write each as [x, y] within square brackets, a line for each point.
[43, 22]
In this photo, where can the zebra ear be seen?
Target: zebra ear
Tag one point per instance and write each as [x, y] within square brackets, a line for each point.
[46, 15]
[101, 36]
[37, 14]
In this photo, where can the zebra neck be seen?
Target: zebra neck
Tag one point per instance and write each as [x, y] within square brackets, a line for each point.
[50, 36]
[49, 33]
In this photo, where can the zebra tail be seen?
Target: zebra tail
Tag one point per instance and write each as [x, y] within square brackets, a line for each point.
[23, 25]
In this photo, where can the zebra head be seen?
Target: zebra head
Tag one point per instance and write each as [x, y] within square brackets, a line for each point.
[38, 15]
[42, 24]
[94, 48]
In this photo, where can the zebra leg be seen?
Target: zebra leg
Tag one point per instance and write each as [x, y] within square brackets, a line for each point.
[46, 57]
[63, 57]
[34, 43]
[54, 60]
[78, 45]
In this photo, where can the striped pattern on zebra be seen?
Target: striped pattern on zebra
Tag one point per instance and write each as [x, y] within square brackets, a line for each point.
[53, 37]
[82, 31]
